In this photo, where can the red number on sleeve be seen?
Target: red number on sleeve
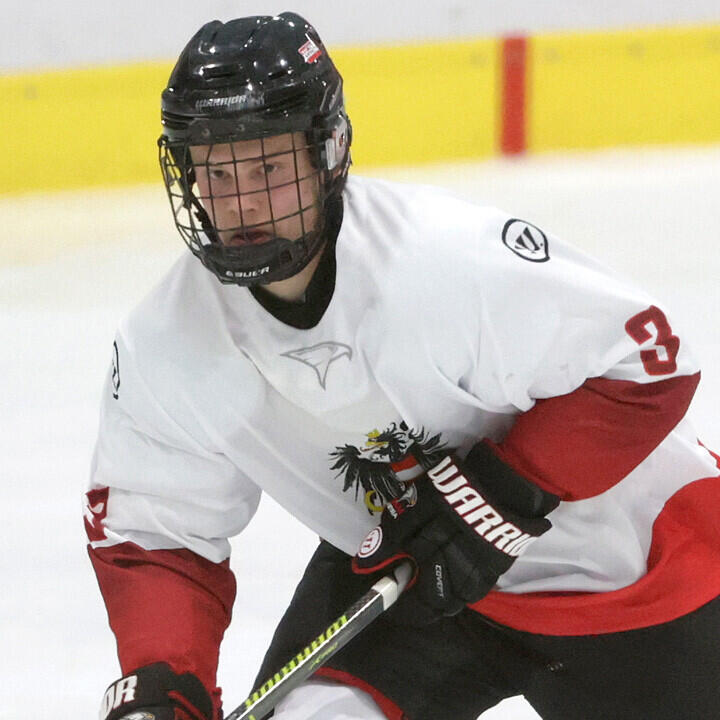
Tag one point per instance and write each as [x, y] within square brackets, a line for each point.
[651, 324]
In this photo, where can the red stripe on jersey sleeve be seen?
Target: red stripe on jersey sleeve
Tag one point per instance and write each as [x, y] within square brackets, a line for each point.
[166, 605]
[581, 444]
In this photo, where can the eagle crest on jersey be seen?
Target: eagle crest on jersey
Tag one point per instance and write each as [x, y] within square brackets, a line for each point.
[388, 461]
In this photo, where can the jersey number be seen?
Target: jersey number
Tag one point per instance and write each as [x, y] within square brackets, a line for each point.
[651, 324]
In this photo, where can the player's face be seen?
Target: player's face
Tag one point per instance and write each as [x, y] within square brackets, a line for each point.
[254, 190]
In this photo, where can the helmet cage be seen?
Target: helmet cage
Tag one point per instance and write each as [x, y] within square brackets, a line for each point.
[281, 241]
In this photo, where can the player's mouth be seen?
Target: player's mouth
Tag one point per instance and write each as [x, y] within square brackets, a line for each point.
[247, 237]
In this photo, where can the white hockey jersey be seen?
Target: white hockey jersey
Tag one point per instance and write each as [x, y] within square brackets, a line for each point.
[449, 323]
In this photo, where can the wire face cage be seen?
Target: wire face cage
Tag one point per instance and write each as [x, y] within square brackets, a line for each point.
[251, 210]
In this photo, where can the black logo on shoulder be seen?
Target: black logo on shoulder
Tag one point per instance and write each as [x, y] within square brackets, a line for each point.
[526, 240]
[115, 371]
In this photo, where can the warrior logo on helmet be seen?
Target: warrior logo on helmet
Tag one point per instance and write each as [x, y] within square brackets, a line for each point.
[387, 463]
[245, 101]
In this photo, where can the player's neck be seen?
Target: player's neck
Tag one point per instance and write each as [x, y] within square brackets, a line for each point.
[293, 288]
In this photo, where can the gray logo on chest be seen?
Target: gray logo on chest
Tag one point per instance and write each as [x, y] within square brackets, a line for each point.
[319, 357]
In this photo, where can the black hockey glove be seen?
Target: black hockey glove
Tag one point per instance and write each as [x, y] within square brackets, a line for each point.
[155, 692]
[463, 524]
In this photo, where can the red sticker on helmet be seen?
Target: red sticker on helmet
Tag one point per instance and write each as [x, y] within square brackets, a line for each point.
[310, 51]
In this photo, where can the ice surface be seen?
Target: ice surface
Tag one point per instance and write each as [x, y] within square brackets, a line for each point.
[71, 264]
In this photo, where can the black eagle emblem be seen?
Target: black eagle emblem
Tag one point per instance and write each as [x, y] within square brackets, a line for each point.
[371, 468]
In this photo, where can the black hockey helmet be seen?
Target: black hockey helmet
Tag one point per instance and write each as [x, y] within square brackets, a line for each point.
[251, 79]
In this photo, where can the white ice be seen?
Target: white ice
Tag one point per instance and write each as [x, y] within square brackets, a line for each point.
[71, 264]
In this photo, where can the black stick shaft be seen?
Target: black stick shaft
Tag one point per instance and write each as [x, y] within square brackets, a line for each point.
[357, 617]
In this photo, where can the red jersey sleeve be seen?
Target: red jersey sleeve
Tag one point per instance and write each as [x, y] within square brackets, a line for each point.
[166, 605]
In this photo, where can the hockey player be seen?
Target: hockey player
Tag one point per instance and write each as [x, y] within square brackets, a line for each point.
[411, 376]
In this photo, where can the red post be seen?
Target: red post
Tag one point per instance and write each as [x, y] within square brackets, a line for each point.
[513, 119]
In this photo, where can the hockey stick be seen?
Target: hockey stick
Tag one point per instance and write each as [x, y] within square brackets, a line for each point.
[357, 617]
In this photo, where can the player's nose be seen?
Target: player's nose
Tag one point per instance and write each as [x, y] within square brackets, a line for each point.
[246, 203]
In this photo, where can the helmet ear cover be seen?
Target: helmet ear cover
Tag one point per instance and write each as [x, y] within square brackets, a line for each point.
[335, 147]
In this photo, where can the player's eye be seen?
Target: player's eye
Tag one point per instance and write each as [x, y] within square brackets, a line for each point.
[217, 173]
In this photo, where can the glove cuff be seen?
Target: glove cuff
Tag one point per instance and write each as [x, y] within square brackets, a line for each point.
[365, 565]
[159, 688]
[504, 486]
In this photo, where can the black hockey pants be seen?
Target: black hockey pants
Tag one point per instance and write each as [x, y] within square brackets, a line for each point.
[458, 667]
